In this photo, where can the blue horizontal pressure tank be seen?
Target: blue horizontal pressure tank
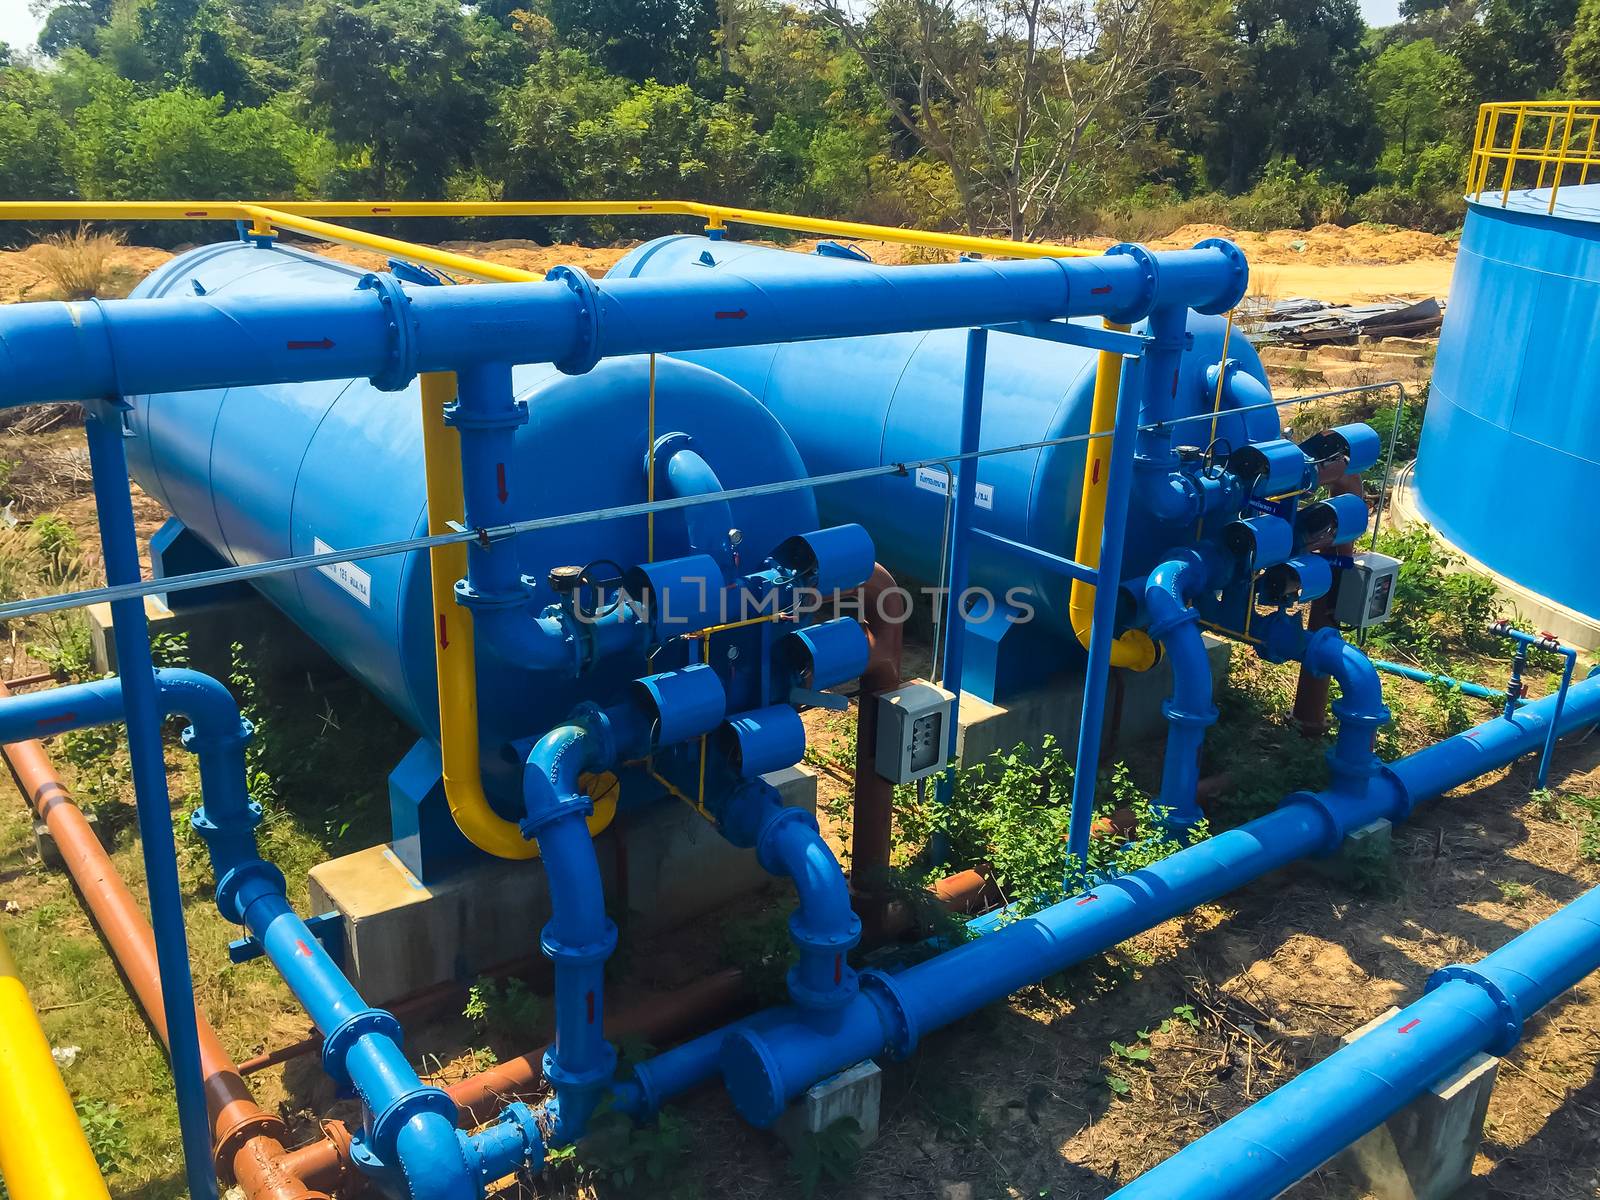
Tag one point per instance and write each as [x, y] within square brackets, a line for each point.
[1514, 412]
[259, 473]
[870, 401]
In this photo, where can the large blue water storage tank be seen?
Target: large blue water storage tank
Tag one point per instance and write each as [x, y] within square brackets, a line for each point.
[870, 401]
[1510, 453]
[260, 473]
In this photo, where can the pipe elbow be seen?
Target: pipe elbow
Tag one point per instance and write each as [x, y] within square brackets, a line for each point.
[432, 1158]
[517, 637]
[1133, 649]
[550, 777]
[1327, 653]
[205, 701]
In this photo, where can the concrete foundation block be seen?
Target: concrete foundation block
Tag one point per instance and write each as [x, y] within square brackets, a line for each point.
[856, 1092]
[1365, 855]
[210, 631]
[1426, 1150]
[661, 866]
[49, 850]
[1056, 707]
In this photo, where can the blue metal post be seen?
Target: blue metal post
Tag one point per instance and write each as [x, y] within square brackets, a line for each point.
[955, 626]
[1524, 643]
[1097, 671]
[144, 709]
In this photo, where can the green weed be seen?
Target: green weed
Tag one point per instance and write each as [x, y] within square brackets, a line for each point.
[831, 1156]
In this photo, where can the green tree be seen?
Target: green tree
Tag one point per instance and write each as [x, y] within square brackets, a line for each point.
[1582, 77]
[1514, 50]
[1406, 85]
[638, 39]
[400, 80]
[33, 139]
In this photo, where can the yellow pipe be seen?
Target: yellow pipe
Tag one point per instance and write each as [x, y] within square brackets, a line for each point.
[456, 659]
[1133, 649]
[461, 264]
[43, 1152]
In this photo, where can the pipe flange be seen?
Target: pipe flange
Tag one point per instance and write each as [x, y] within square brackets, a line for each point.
[470, 597]
[587, 352]
[1240, 271]
[753, 1078]
[881, 987]
[561, 1079]
[1177, 715]
[536, 822]
[766, 838]
[1510, 1032]
[401, 368]
[1158, 630]
[1334, 826]
[337, 1042]
[811, 940]
[590, 955]
[1149, 272]
[233, 1139]
[239, 887]
[384, 1127]
[196, 742]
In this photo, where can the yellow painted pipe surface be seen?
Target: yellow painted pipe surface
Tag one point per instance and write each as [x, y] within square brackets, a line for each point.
[43, 1153]
[1133, 649]
[455, 651]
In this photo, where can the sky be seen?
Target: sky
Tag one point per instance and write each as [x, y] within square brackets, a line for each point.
[19, 27]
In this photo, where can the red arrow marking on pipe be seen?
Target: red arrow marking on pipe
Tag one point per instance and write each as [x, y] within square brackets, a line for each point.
[737, 314]
[303, 948]
[444, 636]
[65, 718]
[1095, 478]
[589, 1000]
[1411, 1026]
[1089, 899]
[322, 344]
[1100, 291]
[198, 213]
[382, 210]
[500, 481]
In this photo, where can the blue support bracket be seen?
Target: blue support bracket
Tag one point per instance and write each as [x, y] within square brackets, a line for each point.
[327, 929]
[1095, 337]
[1052, 562]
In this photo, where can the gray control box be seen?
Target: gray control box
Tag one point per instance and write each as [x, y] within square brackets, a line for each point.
[1365, 594]
[913, 732]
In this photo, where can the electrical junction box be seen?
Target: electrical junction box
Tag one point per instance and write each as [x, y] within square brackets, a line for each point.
[913, 732]
[1366, 590]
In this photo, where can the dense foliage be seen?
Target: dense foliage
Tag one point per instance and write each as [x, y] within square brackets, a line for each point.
[1022, 117]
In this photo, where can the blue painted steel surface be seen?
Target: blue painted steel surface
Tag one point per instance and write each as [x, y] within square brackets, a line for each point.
[871, 400]
[1467, 1010]
[141, 702]
[1513, 407]
[261, 472]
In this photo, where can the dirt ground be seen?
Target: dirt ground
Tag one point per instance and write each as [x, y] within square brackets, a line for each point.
[1340, 265]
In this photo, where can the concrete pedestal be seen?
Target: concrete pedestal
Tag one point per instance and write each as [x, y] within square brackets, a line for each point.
[856, 1092]
[661, 866]
[1425, 1151]
[1055, 708]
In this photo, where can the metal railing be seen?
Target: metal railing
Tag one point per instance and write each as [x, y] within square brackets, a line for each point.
[1533, 144]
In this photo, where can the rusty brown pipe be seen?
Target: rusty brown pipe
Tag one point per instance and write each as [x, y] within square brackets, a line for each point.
[884, 607]
[244, 1135]
[1311, 691]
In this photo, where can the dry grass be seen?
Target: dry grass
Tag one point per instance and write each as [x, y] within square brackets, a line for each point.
[79, 265]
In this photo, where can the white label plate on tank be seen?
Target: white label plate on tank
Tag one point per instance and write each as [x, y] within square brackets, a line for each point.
[347, 575]
[932, 479]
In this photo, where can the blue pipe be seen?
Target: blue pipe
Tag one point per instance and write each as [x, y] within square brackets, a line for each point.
[1359, 709]
[766, 1065]
[378, 330]
[409, 1129]
[1166, 329]
[824, 927]
[579, 937]
[1467, 1010]
[141, 704]
[1190, 710]
[686, 473]
[1421, 676]
[955, 619]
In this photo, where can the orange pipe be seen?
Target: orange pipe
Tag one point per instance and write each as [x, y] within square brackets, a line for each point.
[243, 1133]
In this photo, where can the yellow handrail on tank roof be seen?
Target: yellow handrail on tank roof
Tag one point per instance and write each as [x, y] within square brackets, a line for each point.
[1542, 133]
[43, 1152]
